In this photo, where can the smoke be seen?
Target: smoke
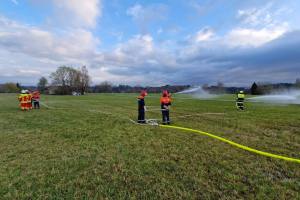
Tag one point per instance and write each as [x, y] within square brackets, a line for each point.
[197, 92]
[285, 97]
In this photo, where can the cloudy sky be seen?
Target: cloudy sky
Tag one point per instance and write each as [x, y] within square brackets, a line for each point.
[152, 42]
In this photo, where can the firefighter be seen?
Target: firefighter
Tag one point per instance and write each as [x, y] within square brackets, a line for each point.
[142, 107]
[29, 100]
[165, 103]
[23, 100]
[36, 99]
[169, 95]
[240, 100]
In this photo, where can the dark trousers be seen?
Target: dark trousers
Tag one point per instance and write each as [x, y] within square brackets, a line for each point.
[141, 116]
[36, 104]
[165, 116]
[240, 103]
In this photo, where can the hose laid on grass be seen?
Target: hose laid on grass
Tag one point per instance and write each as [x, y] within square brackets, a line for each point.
[234, 144]
[223, 140]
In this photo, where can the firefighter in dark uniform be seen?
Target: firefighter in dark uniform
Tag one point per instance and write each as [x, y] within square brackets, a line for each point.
[141, 107]
[240, 100]
[165, 103]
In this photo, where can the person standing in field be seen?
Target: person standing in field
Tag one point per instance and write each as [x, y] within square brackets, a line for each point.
[23, 100]
[240, 100]
[29, 100]
[36, 99]
[142, 107]
[165, 103]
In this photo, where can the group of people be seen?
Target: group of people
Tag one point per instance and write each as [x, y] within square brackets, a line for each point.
[165, 103]
[29, 100]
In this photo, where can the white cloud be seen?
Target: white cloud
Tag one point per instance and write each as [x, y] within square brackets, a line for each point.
[259, 25]
[15, 2]
[145, 15]
[80, 13]
[136, 11]
[141, 44]
[39, 43]
[28, 72]
[27, 52]
[253, 37]
[28, 49]
[204, 7]
[267, 16]
[34, 52]
[204, 34]
[256, 16]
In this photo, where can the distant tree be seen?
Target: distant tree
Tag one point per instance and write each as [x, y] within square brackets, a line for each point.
[220, 87]
[297, 84]
[63, 79]
[254, 89]
[104, 87]
[42, 84]
[66, 80]
[18, 85]
[84, 80]
[10, 88]
[205, 86]
[266, 88]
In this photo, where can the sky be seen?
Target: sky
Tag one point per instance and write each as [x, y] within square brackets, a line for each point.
[152, 42]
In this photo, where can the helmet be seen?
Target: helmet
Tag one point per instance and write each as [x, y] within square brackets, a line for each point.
[144, 93]
[165, 93]
[23, 91]
[241, 92]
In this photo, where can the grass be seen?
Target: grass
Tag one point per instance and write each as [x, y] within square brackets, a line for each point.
[86, 148]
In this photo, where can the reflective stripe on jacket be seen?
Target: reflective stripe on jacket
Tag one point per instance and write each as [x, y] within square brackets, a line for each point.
[165, 100]
[23, 98]
[241, 96]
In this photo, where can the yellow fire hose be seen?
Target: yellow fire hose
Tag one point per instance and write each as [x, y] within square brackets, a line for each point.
[234, 144]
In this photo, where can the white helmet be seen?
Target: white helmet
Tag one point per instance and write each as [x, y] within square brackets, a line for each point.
[23, 91]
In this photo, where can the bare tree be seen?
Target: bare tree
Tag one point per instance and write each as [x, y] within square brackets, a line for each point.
[68, 79]
[84, 79]
[63, 78]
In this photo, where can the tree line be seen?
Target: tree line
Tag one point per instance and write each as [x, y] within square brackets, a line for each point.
[106, 87]
[68, 80]
[267, 88]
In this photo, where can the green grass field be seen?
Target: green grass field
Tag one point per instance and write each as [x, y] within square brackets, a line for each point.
[86, 148]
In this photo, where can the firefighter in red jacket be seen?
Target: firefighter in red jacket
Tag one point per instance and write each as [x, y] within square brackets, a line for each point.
[29, 100]
[141, 107]
[165, 103]
[23, 99]
[36, 99]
